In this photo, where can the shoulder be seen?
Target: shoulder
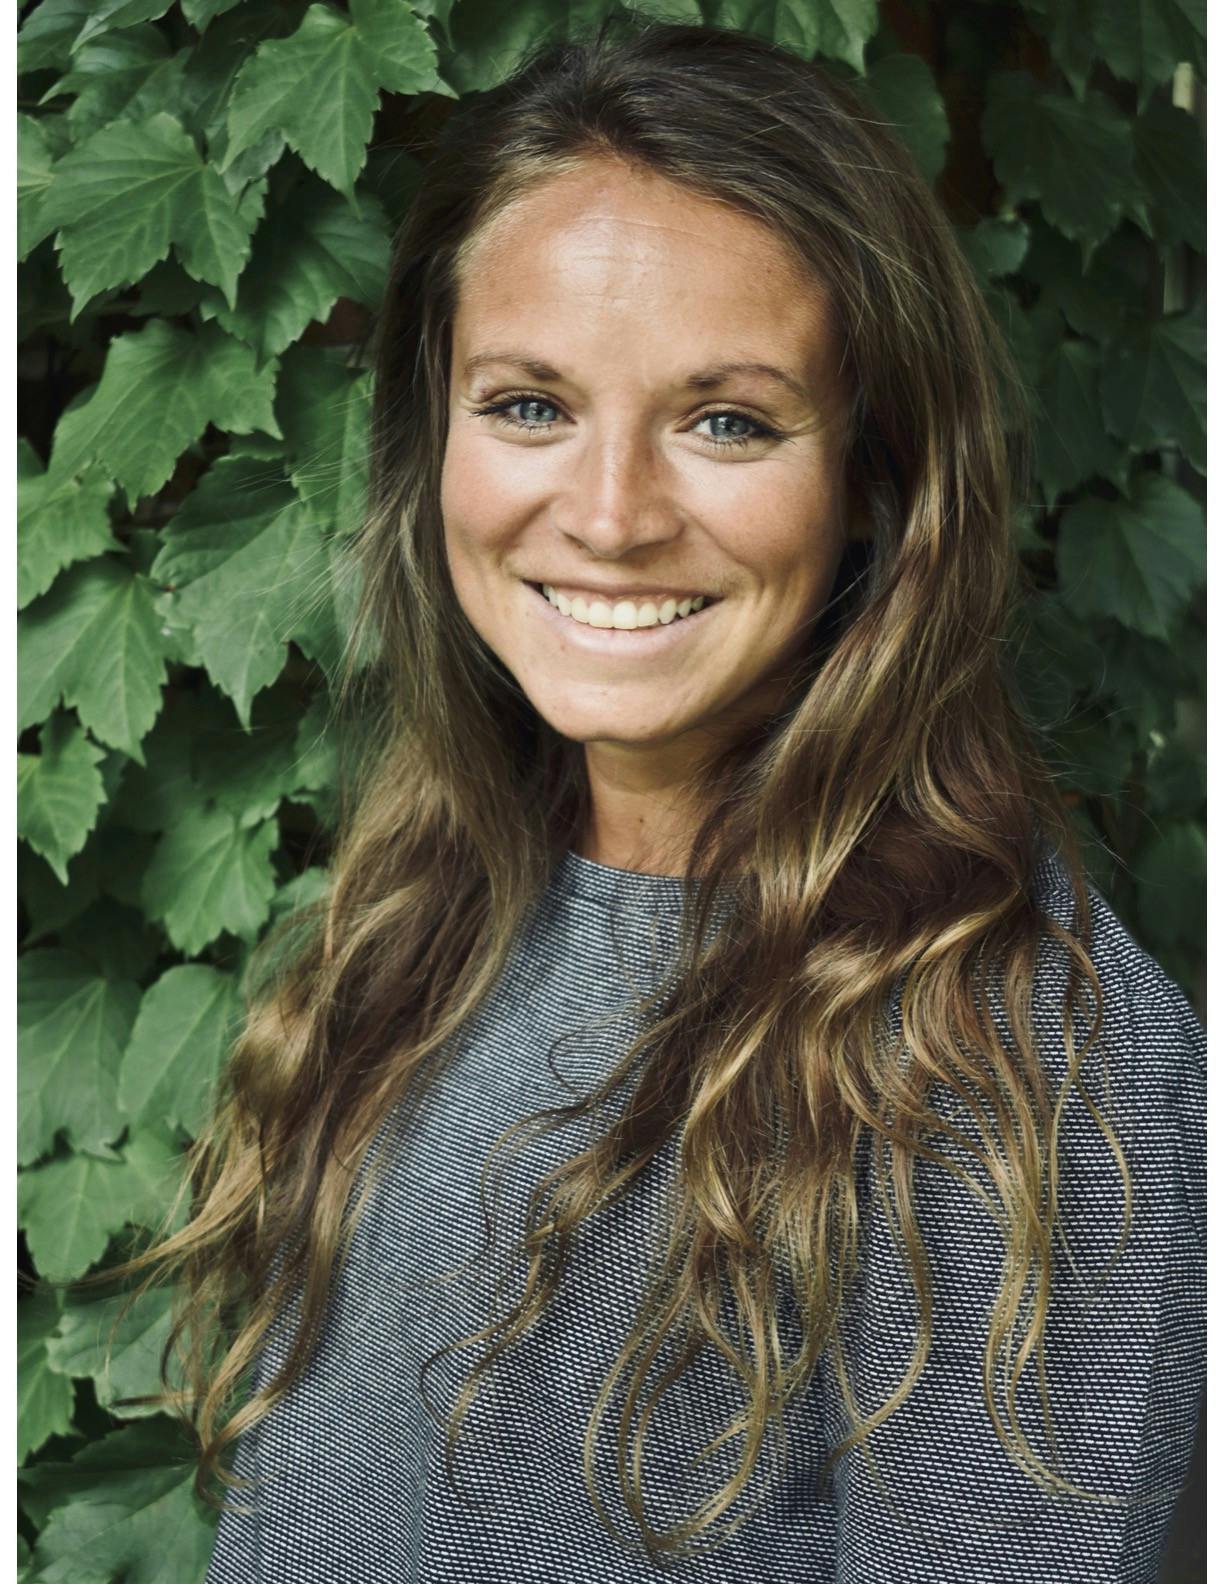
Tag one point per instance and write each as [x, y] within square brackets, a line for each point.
[1147, 1066]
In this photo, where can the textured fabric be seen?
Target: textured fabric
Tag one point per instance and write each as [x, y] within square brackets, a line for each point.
[351, 1485]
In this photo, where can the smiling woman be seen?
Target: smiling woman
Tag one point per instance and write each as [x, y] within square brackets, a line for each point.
[653, 321]
[702, 889]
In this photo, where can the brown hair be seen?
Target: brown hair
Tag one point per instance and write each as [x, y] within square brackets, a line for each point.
[884, 825]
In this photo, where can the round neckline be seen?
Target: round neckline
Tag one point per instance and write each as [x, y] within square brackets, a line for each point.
[599, 882]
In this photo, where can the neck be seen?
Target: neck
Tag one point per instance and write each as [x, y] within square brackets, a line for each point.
[642, 810]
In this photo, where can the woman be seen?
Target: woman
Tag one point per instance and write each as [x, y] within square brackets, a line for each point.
[704, 899]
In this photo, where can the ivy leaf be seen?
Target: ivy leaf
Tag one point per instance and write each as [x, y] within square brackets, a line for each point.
[35, 162]
[905, 89]
[126, 76]
[837, 29]
[1171, 871]
[59, 793]
[124, 1508]
[121, 1356]
[250, 771]
[1102, 301]
[201, 12]
[160, 389]
[1155, 386]
[92, 643]
[315, 247]
[47, 34]
[59, 521]
[72, 1030]
[996, 246]
[182, 1035]
[110, 15]
[1071, 442]
[208, 874]
[1076, 159]
[1137, 560]
[130, 190]
[44, 1398]
[320, 86]
[1143, 41]
[324, 406]
[71, 1206]
[1171, 159]
[245, 557]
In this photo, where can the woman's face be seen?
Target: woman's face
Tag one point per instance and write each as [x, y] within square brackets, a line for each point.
[644, 411]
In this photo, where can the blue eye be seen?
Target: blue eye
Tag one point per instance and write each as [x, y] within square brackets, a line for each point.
[502, 410]
[538, 415]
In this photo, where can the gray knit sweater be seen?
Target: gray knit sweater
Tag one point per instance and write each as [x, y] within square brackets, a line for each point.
[351, 1481]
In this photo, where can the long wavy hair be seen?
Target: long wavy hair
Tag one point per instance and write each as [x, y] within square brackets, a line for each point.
[882, 829]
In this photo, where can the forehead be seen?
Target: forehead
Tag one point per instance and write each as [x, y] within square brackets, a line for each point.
[611, 248]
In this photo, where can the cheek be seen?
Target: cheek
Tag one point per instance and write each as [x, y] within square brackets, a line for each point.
[474, 517]
[788, 532]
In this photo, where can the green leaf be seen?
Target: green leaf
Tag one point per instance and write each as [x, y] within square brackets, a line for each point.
[35, 161]
[183, 1033]
[59, 521]
[201, 12]
[996, 246]
[160, 389]
[324, 407]
[47, 34]
[1171, 159]
[120, 1352]
[904, 87]
[244, 556]
[59, 793]
[92, 644]
[320, 86]
[44, 1399]
[130, 76]
[250, 771]
[1171, 871]
[837, 29]
[209, 874]
[1143, 41]
[313, 248]
[1071, 442]
[1137, 560]
[1106, 299]
[72, 1030]
[124, 1508]
[132, 189]
[1155, 386]
[116, 940]
[1076, 159]
[107, 16]
[71, 1206]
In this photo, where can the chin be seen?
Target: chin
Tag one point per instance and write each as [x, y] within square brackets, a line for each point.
[603, 726]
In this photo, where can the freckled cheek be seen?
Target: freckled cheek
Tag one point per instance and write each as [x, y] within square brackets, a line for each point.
[483, 500]
[787, 537]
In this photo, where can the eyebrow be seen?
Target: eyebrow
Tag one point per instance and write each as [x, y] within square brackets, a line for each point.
[701, 379]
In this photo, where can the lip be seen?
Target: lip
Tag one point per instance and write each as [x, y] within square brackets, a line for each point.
[617, 640]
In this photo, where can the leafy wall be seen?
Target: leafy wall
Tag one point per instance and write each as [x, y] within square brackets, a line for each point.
[207, 194]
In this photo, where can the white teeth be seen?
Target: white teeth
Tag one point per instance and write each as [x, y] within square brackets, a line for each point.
[623, 614]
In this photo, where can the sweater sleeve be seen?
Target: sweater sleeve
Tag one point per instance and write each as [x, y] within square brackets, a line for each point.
[935, 1496]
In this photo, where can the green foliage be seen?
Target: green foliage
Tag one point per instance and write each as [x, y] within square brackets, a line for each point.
[206, 196]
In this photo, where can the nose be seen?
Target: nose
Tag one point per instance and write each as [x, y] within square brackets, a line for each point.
[617, 499]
